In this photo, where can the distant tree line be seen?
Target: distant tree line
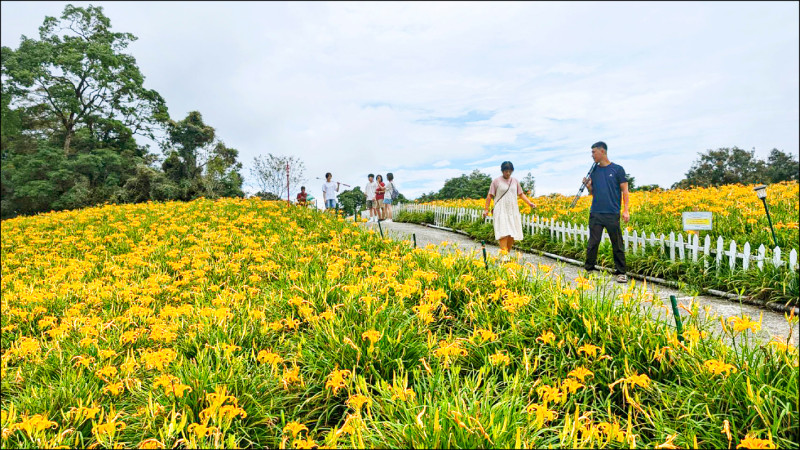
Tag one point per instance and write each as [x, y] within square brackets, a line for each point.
[72, 104]
[712, 168]
[735, 165]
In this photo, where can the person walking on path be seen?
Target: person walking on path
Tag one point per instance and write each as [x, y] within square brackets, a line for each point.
[380, 191]
[388, 196]
[329, 191]
[607, 183]
[506, 217]
[369, 191]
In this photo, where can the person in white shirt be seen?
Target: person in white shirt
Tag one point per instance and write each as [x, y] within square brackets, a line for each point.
[369, 191]
[329, 191]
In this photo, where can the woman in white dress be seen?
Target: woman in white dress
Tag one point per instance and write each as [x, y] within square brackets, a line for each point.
[507, 219]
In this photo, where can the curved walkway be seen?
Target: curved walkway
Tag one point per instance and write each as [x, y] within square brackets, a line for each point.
[774, 324]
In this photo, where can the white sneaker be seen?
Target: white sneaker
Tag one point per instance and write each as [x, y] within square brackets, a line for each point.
[388, 220]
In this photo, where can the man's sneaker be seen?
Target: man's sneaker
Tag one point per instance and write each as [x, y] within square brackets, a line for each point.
[622, 278]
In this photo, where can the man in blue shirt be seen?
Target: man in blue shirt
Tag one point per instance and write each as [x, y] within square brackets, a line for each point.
[606, 185]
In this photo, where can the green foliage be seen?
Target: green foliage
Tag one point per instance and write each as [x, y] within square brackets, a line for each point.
[734, 165]
[78, 92]
[782, 167]
[82, 76]
[198, 163]
[148, 184]
[648, 187]
[631, 182]
[266, 195]
[352, 201]
[474, 185]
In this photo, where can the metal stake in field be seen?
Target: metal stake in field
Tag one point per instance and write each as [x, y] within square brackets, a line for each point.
[678, 322]
[761, 192]
[415, 240]
[380, 229]
[583, 186]
[483, 247]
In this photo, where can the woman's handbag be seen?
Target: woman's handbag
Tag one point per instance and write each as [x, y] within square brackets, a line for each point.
[504, 194]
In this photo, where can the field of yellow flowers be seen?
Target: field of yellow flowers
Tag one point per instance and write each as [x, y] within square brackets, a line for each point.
[243, 323]
[737, 212]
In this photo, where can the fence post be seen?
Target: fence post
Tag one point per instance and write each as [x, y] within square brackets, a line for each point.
[732, 255]
[706, 250]
[720, 252]
[776, 258]
[672, 246]
[625, 239]
[760, 256]
[792, 260]
[681, 248]
[695, 246]
[746, 259]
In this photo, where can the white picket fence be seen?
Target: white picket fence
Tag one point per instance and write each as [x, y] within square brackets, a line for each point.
[677, 246]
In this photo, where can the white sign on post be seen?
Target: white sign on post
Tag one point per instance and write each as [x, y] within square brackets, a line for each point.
[696, 221]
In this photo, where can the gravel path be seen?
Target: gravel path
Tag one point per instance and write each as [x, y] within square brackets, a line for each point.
[774, 323]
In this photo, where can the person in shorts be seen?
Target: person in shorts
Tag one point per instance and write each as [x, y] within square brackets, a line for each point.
[387, 197]
[380, 191]
[329, 191]
[369, 191]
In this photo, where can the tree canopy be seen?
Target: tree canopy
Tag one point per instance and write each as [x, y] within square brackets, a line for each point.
[73, 103]
[77, 70]
[735, 165]
[474, 185]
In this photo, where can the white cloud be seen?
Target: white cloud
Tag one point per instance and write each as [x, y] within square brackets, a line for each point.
[351, 87]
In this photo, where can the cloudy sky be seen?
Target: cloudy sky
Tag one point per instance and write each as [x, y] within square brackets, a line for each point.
[432, 90]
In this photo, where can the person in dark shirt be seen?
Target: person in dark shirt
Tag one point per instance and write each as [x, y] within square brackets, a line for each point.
[606, 185]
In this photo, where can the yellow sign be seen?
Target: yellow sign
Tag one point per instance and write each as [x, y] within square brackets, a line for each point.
[697, 220]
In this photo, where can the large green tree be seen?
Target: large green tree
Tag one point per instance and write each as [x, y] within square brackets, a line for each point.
[782, 166]
[199, 163]
[78, 70]
[474, 185]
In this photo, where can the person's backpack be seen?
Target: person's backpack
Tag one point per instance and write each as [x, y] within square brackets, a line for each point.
[394, 194]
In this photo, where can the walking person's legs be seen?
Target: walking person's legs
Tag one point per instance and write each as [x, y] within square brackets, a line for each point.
[595, 235]
[505, 243]
[617, 244]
